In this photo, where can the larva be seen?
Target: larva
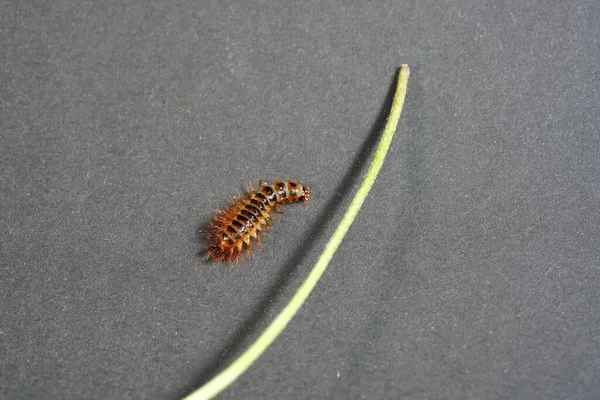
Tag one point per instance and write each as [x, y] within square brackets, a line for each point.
[231, 229]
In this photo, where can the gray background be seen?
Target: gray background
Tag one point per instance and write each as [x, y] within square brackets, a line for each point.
[472, 270]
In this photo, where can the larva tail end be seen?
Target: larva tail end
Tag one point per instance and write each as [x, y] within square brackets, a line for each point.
[215, 253]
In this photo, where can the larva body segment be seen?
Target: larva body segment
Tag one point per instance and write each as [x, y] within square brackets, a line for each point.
[231, 230]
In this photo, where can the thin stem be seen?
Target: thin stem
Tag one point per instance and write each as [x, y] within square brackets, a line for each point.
[239, 366]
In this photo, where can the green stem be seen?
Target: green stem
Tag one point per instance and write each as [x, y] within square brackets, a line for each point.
[239, 366]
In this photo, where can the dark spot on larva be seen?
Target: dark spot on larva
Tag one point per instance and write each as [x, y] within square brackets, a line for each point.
[253, 210]
[281, 189]
[241, 228]
[232, 230]
[260, 205]
[270, 193]
[251, 217]
[246, 220]
[264, 200]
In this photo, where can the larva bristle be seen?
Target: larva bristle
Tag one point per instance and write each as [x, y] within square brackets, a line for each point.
[231, 230]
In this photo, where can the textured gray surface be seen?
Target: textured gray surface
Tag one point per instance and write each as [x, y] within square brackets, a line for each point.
[471, 272]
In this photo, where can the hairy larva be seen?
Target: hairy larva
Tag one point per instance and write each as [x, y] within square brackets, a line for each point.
[231, 229]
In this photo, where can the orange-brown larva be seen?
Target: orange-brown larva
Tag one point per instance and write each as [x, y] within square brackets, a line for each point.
[231, 229]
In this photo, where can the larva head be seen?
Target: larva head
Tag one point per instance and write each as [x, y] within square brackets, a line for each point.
[304, 193]
[298, 192]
